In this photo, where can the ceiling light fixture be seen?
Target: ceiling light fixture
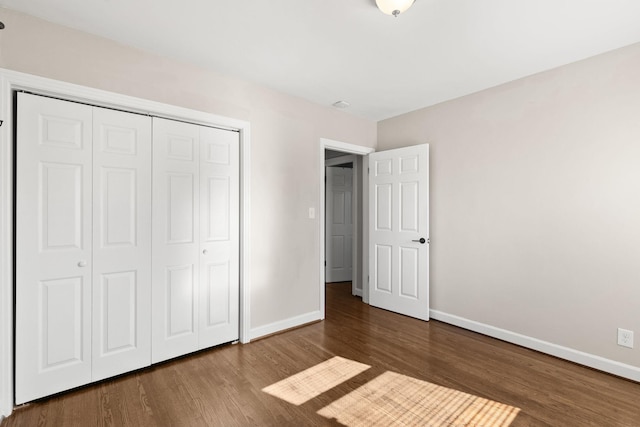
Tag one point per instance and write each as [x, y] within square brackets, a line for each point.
[394, 7]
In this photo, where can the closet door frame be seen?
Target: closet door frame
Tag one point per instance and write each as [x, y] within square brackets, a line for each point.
[12, 82]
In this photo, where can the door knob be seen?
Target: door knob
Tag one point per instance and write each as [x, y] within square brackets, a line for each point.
[82, 264]
[422, 241]
[204, 252]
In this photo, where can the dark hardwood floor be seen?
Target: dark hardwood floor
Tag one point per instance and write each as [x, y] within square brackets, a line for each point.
[223, 386]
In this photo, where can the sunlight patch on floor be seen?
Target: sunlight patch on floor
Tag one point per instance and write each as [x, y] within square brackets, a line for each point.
[312, 382]
[395, 399]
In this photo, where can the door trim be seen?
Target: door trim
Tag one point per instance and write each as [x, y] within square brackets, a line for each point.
[11, 81]
[329, 144]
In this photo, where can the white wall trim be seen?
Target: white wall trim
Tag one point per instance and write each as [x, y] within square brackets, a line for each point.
[245, 233]
[344, 147]
[329, 144]
[365, 229]
[14, 81]
[285, 324]
[576, 356]
[6, 250]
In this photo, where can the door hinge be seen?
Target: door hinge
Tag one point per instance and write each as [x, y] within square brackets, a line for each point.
[368, 171]
[325, 263]
[1, 122]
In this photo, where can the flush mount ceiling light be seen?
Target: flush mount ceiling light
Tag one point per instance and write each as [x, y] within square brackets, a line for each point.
[394, 7]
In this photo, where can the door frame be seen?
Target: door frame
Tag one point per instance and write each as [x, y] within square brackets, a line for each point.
[344, 147]
[12, 81]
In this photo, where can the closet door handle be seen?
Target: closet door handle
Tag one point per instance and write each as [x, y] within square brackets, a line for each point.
[421, 241]
[82, 263]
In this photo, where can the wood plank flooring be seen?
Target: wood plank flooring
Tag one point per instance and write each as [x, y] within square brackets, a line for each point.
[223, 386]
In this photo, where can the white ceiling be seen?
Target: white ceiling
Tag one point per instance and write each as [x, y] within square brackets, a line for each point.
[330, 50]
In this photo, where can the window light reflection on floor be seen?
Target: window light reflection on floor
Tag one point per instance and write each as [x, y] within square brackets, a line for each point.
[390, 399]
[395, 399]
[312, 382]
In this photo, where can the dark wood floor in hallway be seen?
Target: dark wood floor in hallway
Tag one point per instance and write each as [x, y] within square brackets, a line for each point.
[223, 386]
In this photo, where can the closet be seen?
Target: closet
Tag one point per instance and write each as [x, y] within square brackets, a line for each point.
[126, 242]
[195, 238]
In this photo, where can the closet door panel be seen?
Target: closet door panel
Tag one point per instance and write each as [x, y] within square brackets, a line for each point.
[53, 246]
[181, 290]
[176, 227]
[219, 240]
[122, 242]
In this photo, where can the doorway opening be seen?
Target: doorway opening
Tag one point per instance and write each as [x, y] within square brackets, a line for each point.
[342, 214]
[343, 222]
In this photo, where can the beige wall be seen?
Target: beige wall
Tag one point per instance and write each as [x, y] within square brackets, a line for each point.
[535, 203]
[285, 134]
[535, 206]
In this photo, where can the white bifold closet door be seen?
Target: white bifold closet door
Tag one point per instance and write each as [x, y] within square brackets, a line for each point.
[121, 340]
[196, 238]
[82, 244]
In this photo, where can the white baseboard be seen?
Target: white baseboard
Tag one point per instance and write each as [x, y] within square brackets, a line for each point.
[282, 325]
[358, 292]
[586, 359]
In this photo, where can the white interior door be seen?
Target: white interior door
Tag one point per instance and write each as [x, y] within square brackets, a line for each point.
[121, 242]
[399, 230]
[339, 224]
[53, 246]
[219, 240]
[176, 235]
